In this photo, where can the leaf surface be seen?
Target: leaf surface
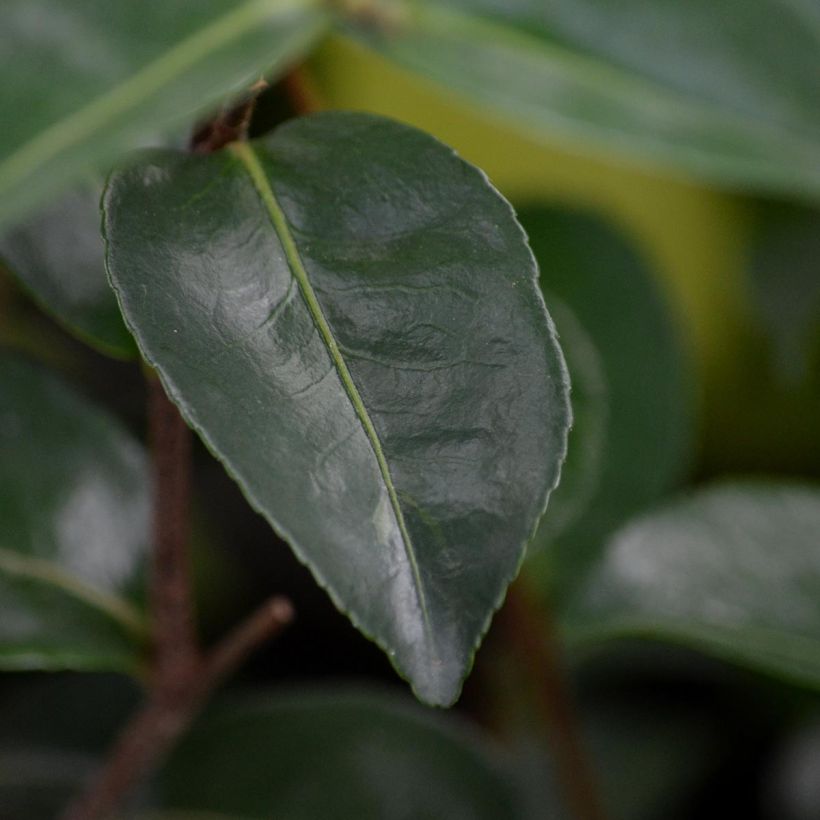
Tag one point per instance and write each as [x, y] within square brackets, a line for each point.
[381, 758]
[58, 255]
[74, 507]
[711, 88]
[89, 79]
[348, 314]
[733, 570]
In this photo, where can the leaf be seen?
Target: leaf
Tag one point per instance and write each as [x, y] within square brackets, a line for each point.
[581, 471]
[335, 754]
[54, 730]
[74, 507]
[786, 287]
[348, 314]
[713, 89]
[90, 79]
[733, 570]
[58, 255]
[647, 420]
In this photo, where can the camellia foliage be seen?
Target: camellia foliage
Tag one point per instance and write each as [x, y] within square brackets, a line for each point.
[420, 389]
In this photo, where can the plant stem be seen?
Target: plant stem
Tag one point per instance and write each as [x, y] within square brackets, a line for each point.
[171, 597]
[182, 677]
[154, 730]
[531, 632]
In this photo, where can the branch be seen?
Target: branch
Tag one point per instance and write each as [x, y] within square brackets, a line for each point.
[531, 633]
[146, 740]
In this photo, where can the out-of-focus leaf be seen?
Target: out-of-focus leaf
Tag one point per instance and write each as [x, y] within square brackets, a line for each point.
[348, 313]
[792, 789]
[58, 255]
[647, 422]
[728, 90]
[733, 570]
[336, 754]
[581, 473]
[74, 512]
[784, 270]
[53, 732]
[87, 80]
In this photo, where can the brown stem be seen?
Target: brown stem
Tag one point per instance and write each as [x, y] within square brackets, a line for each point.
[154, 730]
[171, 598]
[530, 629]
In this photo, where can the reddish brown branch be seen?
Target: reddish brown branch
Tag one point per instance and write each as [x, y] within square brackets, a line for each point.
[531, 632]
[154, 730]
[171, 596]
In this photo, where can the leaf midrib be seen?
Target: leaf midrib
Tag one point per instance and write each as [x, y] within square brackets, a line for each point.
[247, 157]
[139, 86]
[38, 569]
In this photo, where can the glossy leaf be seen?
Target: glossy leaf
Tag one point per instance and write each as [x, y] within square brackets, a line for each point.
[336, 754]
[646, 440]
[74, 507]
[733, 570]
[348, 314]
[89, 79]
[712, 88]
[58, 255]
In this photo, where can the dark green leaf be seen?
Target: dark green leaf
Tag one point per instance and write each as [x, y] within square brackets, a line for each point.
[74, 507]
[581, 472]
[348, 314]
[341, 755]
[785, 279]
[714, 88]
[88, 79]
[54, 730]
[733, 570]
[647, 417]
[58, 255]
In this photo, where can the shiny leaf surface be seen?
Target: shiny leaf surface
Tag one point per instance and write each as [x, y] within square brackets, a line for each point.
[378, 758]
[348, 314]
[643, 399]
[90, 79]
[74, 507]
[712, 88]
[58, 256]
[733, 570]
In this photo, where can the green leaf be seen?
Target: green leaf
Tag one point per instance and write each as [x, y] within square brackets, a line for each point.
[785, 284]
[715, 89]
[54, 730]
[581, 472]
[336, 754]
[733, 570]
[89, 79]
[645, 404]
[74, 507]
[348, 314]
[58, 255]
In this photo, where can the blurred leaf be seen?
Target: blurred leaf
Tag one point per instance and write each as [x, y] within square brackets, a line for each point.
[792, 790]
[784, 271]
[89, 79]
[52, 733]
[712, 88]
[74, 507]
[336, 755]
[348, 314]
[58, 255]
[647, 417]
[581, 472]
[732, 570]
[646, 759]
